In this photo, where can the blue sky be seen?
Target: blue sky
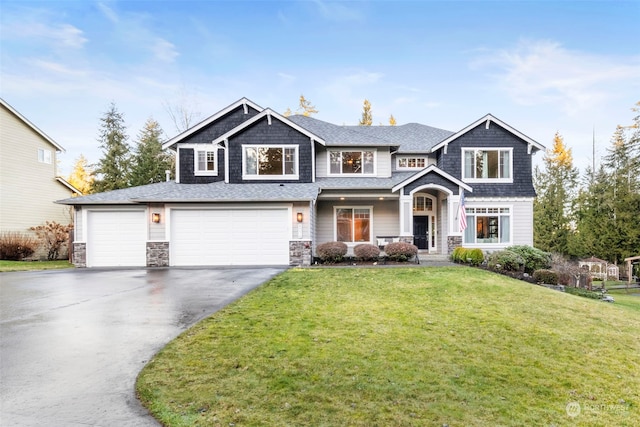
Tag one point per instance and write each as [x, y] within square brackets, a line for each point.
[540, 66]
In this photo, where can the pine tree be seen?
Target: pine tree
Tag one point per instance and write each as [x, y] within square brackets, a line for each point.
[367, 118]
[149, 161]
[552, 208]
[82, 175]
[113, 168]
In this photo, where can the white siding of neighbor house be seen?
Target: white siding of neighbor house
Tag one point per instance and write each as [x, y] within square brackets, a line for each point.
[28, 188]
[385, 218]
[383, 160]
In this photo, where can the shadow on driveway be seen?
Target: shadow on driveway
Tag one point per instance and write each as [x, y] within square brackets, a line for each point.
[73, 341]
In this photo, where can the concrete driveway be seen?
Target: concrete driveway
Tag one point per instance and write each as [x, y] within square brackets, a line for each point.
[73, 341]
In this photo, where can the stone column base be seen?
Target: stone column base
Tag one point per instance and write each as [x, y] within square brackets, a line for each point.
[157, 254]
[300, 252]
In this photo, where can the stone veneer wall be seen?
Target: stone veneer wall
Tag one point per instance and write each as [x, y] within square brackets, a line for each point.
[452, 243]
[300, 252]
[80, 254]
[157, 254]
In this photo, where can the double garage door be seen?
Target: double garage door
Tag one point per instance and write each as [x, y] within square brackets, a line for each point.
[197, 237]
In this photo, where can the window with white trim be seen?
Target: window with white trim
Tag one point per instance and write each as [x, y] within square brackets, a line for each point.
[205, 162]
[487, 164]
[44, 156]
[488, 226]
[352, 162]
[270, 161]
[411, 162]
[353, 224]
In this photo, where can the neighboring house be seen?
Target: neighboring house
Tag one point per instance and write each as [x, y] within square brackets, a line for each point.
[29, 185]
[254, 187]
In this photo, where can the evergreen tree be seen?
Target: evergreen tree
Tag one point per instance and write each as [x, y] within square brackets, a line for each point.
[82, 175]
[149, 161]
[367, 118]
[552, 208]
[113, 168]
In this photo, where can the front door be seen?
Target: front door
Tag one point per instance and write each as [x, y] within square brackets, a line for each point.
[421, 232]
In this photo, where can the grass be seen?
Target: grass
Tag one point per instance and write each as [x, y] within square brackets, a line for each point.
[33, 265]
[400, 347]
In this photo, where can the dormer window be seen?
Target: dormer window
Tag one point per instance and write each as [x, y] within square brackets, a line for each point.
[270, 162]
[487, 164]
[352, 162]
[205, 162]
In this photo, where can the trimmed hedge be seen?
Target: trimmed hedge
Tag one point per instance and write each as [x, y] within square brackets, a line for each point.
[400, 251]
[548, 277]
[366, 252]
[332, 251]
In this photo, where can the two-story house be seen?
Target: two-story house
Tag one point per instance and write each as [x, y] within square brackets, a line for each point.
[255, 188]
[29, 183]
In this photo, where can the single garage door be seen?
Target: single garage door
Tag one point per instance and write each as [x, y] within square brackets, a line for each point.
[116, 239]
[230, 237]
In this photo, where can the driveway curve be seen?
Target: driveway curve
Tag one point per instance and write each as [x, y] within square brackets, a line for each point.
[73, 341]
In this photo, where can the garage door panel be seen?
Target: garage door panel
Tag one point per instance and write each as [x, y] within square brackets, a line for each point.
[116, 239]
[229, 237]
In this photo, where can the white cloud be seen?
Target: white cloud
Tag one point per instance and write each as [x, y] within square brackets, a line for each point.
[164, 51]
[54, 35]
[544, 72]
[336, 11]
[109, 13]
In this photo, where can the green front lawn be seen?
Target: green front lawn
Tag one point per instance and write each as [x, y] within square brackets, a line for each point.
[399, 347]
[33, 265]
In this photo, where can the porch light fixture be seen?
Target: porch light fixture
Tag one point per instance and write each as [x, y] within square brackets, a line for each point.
[299, 217]
[155, 217]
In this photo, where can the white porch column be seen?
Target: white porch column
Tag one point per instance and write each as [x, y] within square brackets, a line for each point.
[406, 212]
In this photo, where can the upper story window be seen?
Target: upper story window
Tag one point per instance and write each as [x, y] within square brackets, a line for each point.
[205, 162]
[44, 156]
[352, 162]
[411, 162]
[487, 164]
[270, 162]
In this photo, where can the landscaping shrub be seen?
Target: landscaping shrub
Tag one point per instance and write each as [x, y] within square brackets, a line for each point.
[366, 252]
[548, 277]
[505, 260]
[15, 246]
[459, 254]
[401, 251]
[474, 256]
[332, 251]
[53, 237]
[583, 292]
[534, 259]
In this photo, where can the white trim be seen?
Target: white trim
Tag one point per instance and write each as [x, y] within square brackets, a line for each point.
[244, 102]
[408, 157]
[35, 128]
[354, 150]
[68, 185]
[313, 160]
[205, 149]
[509, 180]
[428, 169]
[445, 142]
[268, 113]
[335, 228]
[259, 177]
[497, 245]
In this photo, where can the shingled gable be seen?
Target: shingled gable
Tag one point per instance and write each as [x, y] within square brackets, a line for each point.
[243, 102]
[531, 144]
[431, 169]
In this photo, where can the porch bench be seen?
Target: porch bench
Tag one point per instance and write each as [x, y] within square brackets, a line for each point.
[385, 240]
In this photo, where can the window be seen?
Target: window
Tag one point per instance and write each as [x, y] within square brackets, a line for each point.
[487, 164]
[411, 162]
[205, 162]
[270, 162]
[488, 225]
[44, 156]
[422, 204]
[353, 224]
[351, 162]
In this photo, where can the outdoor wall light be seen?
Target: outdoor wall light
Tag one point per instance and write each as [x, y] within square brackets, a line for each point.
[155, 217]
[299, 217]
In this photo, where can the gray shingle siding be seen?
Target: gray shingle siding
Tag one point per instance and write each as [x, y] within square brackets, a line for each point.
[431, 178]
[220, 126]
[187, 164]
[261, 133]
[495, 136]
